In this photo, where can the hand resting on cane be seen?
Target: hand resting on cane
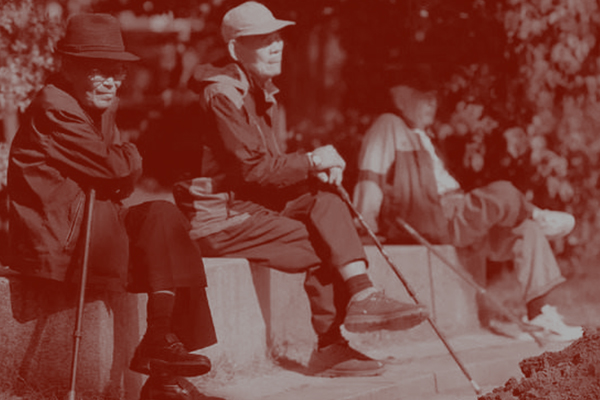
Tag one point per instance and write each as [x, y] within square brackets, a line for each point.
[327, 165]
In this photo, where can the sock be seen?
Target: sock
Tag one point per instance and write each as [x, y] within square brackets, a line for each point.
[159, 308]
[358, 283]
[332, 337]
[534, 307]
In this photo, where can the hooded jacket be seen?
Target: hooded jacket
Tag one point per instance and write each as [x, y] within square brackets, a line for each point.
[243, 151]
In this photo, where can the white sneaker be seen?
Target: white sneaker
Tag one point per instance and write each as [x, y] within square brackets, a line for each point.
[554, 327]
[554, 224]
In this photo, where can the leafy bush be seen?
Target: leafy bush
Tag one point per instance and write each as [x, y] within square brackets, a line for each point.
[548, 115]
[27, 37]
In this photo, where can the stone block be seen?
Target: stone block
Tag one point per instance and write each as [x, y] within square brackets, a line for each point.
[234, 293]
[39, 350]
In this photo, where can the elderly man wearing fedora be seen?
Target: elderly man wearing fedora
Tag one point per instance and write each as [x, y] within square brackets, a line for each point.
[247, 198]
[67, 144]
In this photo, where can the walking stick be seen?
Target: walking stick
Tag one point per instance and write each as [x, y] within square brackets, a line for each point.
[84, 271]
[481, 290]
[346, 198]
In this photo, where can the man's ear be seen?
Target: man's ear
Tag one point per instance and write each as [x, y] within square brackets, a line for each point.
[231, 47]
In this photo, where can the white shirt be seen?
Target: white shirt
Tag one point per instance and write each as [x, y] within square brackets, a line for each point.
[445, 182]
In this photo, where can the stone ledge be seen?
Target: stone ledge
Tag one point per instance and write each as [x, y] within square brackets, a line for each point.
[256, 311]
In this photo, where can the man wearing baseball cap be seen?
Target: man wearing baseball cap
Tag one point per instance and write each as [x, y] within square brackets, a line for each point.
[67, 144]
[247, 198]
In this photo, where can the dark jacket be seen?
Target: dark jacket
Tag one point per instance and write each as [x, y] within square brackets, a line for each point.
[243, 156]
[59, 152]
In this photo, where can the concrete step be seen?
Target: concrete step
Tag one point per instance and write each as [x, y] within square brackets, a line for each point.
[257, 313]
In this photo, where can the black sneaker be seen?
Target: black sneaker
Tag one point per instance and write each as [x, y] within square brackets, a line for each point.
[341, 360]
[169, 357]
[377, 311]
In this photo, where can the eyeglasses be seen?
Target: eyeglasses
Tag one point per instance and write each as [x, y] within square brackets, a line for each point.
[100, 75]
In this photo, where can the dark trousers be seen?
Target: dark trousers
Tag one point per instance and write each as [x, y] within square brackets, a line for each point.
[314, 233]
[161, 254]
[163, 257]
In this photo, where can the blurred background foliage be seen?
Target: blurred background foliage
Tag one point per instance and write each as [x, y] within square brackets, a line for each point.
[519, 83]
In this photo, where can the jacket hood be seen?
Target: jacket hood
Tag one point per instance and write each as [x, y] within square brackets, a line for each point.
[208, 79]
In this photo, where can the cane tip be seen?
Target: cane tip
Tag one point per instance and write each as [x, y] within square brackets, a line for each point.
[476, 387]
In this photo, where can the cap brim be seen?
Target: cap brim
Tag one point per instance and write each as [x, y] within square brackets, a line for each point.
[117, 56]
[272, 26]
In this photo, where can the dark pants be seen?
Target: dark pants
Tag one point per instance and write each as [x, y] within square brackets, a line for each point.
[163, 257]
[314, 233]
[161, 254]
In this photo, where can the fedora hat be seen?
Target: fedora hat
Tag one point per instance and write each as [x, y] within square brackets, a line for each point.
[248, 19]
[94, 36]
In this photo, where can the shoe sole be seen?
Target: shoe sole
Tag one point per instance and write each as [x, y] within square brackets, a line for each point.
[160, 367]
[376, 323]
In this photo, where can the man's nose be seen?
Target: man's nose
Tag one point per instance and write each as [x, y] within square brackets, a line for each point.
[111, 82]
[277, 45]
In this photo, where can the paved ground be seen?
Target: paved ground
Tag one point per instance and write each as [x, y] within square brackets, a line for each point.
[421, 370]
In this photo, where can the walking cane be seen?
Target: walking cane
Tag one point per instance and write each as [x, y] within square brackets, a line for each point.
[346, 198]
[84, 271]
[481, 290]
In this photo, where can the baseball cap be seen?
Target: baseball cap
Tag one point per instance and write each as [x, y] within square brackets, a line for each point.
[250, 18]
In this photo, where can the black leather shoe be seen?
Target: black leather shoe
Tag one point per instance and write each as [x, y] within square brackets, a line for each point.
[168, 357]
[341, 360]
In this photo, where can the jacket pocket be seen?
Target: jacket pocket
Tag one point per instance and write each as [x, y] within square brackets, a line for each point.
[75, 222]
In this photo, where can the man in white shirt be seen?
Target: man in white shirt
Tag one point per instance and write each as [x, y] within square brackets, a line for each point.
[402, 176]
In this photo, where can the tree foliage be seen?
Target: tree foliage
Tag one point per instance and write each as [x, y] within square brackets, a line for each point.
[27, 37]
[554, 44]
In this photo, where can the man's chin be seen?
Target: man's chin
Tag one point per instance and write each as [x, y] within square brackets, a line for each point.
[102, 104]
[264, 76]
[273, 73]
